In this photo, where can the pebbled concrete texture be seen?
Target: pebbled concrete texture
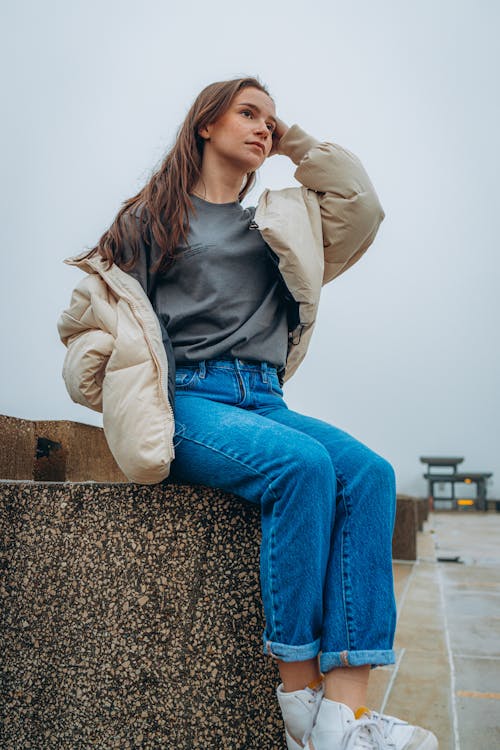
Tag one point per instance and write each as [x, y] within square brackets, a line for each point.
[131, 618]
[118, 630]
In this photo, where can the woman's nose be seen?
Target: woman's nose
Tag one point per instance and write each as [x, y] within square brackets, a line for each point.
[261, 126]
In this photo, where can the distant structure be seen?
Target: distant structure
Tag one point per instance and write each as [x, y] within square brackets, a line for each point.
[447, 473]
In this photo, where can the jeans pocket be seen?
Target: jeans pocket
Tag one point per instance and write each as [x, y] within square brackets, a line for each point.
[186, 378]
[274, 384]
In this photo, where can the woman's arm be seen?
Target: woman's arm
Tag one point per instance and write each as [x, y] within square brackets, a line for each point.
[350, 209]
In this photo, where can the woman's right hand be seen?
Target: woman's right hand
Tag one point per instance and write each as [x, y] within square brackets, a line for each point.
[278, 133]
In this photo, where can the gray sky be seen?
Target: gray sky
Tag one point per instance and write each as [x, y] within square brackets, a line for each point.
[405, 355]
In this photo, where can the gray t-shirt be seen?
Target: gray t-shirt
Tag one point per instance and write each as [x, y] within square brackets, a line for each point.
[222, 296]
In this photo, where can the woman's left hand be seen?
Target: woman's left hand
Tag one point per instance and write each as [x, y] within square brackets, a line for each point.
[278, 133]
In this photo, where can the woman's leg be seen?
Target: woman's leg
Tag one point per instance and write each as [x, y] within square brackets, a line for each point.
[327, 518]
[222, 441]
[359, 605]
[327, 512]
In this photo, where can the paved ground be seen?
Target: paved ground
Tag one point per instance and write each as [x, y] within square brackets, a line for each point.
[447, 674]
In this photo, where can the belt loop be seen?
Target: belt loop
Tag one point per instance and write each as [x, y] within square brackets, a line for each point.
[202, 369]
[263, 369]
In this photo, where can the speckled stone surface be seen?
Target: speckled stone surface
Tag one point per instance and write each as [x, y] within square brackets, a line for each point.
[131, 618]
[17, 448]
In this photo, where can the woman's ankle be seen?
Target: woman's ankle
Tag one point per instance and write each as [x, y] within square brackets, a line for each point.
[347, 685]
[296, 675]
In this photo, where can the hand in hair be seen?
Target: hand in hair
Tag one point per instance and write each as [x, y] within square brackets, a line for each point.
[278, 134]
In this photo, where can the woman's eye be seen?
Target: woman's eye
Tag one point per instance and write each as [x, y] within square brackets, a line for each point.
[246, 112]
[270, 127]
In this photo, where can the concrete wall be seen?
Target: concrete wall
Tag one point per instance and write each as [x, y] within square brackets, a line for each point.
[132, 618]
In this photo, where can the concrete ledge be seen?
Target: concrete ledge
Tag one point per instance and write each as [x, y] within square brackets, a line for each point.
[422, 511]
[55, 451]
[404, 540]
[62, 450]
[82, 455]
[422, 508]
[132, 619]
[17, 448]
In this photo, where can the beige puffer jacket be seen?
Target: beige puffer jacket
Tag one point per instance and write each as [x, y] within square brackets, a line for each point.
[116, 361]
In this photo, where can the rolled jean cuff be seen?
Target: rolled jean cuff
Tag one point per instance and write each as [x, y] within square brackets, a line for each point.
[331, 659]
[291, 653]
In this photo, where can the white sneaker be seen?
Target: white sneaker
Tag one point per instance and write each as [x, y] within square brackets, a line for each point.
[333, 723]
[382, 732]
[338, 728]
[299, 709]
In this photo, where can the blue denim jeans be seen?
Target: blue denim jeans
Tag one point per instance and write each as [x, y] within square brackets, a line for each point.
[327, 508]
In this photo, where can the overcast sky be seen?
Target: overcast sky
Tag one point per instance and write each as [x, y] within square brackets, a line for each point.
[405, 355]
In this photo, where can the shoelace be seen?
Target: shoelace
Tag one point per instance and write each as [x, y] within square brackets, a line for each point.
[370, 732]
[316, 693]
[365, 734]
[358, 737]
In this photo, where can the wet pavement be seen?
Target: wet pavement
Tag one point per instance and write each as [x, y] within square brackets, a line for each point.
[447, 674]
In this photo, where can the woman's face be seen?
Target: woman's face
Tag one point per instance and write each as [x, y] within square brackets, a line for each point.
[242, 136]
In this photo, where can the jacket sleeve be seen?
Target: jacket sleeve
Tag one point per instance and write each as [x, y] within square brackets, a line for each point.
[115, 364]
[88, 329]
[350, 209]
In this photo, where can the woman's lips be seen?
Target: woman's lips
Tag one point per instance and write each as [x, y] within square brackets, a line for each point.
[259, 145]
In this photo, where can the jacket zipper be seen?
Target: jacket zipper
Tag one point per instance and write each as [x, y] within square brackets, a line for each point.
[163, 375]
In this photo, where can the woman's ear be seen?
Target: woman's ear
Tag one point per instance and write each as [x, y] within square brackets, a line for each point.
[204, 132]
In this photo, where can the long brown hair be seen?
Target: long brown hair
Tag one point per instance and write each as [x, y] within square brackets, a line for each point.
[159, 211]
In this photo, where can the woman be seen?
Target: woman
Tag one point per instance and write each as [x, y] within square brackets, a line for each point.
[235, 293]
